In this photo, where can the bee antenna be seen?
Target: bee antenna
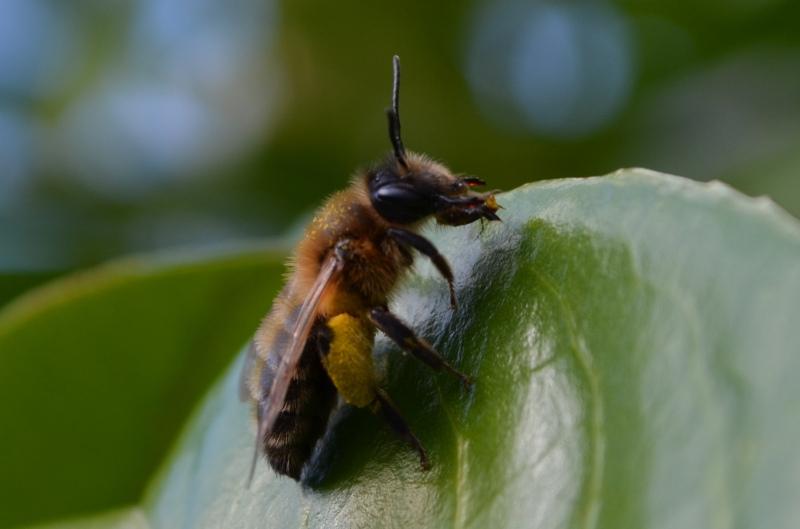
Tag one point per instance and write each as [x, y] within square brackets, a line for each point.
[394, 115]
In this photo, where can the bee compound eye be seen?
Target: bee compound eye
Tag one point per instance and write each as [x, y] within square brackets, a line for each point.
[402, 203]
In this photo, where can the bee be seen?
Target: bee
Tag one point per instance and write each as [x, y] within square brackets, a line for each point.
[315, 344]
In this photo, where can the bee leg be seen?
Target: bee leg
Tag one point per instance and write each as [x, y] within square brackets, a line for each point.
[345, 349]
[426, 247]
[403, 336]
[384, 407]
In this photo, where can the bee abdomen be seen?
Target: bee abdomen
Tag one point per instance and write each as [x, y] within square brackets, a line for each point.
[292, 441]
[303, 417]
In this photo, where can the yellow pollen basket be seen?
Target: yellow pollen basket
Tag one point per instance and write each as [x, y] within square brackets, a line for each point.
[349, 361]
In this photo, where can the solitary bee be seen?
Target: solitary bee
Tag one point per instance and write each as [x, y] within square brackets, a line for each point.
[317, 339]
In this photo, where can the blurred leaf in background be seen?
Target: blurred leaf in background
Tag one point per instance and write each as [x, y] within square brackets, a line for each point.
[99, 370]
[13, 284]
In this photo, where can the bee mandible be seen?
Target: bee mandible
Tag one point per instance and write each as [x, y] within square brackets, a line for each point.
[316, 341]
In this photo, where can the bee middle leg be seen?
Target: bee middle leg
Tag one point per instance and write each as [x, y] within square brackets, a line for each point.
[403, 336]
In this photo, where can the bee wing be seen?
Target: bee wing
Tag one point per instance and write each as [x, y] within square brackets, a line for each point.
[249, 363]
[270, 406]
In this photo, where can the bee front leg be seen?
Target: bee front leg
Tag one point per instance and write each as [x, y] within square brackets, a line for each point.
[384, 407]
[403, 336]
[426, 247]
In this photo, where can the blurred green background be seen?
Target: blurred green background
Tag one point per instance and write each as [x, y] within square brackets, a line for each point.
[131, 126]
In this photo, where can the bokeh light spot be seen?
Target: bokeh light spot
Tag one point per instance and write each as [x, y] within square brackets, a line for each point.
[559, 70]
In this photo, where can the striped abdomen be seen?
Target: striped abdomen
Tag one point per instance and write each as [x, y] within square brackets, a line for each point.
[311, 395]
[304, 414]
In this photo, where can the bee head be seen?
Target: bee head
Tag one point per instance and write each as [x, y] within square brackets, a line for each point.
[409, 187]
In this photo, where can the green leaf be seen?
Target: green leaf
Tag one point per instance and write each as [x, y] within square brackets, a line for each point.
[13, 284]
[634, 344]
[98, 372]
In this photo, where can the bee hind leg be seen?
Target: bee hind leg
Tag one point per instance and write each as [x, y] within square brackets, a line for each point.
[345, 348]
[403, 336]
[385, 408]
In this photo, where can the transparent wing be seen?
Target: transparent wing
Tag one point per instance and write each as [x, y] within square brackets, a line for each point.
[268, 409]
[249, 363]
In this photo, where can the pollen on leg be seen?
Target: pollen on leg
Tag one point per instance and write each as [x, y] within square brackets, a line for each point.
[349, 359]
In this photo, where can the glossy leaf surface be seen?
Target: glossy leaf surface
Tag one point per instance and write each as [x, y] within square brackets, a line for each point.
[633, 339]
